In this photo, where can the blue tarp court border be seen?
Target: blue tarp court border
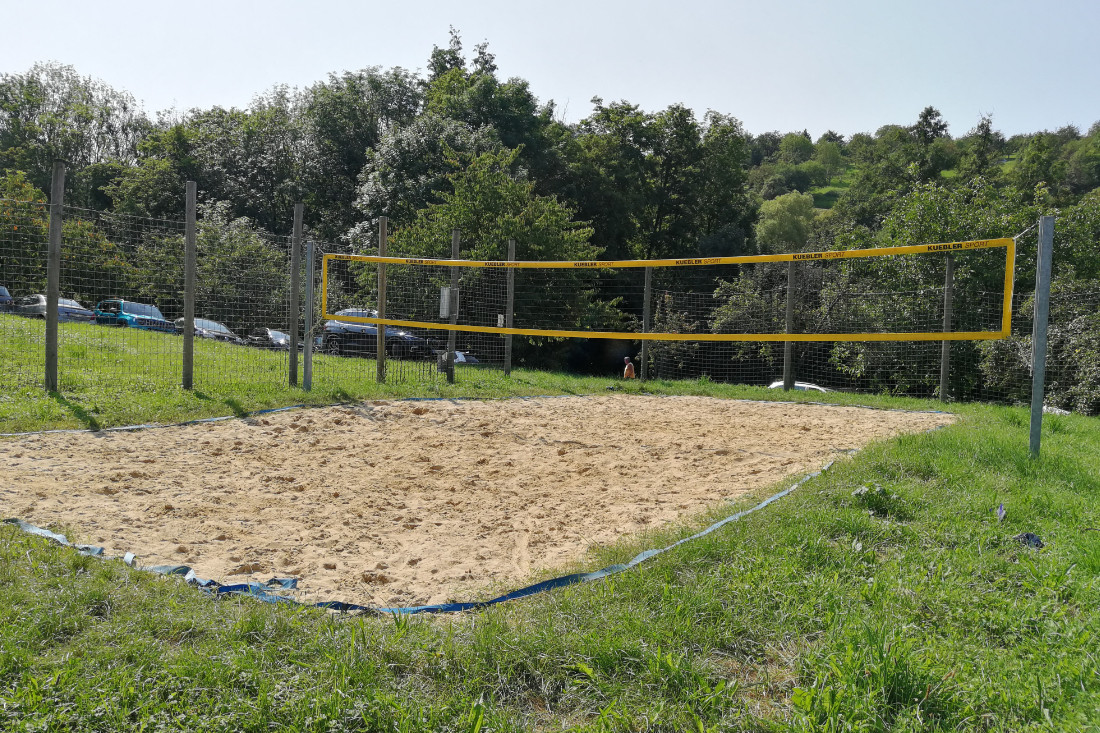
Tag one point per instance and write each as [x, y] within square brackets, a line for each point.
[269, 591]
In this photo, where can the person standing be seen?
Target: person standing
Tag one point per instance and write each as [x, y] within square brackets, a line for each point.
[628, 370]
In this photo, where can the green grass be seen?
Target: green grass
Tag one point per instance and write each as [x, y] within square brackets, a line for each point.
[826, 196]
[882, 595]
[112, 377]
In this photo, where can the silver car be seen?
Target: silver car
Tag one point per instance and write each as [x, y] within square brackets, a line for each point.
[68, 311]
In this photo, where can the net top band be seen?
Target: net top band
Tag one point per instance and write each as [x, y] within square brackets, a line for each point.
[946, 247]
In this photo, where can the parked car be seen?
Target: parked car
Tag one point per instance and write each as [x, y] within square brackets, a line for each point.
[68, 311]
[207, 329]
[127, 313]
[269, 338]
[7, 304]
[800, 386]
[361, 339]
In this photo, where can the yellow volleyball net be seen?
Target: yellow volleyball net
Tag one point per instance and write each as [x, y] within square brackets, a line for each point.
[882, 294]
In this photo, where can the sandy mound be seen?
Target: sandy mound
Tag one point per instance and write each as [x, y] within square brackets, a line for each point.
[401, 503]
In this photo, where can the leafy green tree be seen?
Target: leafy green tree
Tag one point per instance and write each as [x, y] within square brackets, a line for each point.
[1040, 167]
[611, 170]
[410, 169]
[981, 151]
[1083, 164]
[724, 211]
[248, 158]
[795, 148]
[444, 60]
[52, 113]
[831, 136]
[861, 148]
[785, 222]
[472, 93]
[489, 204]
[829, 155]
[25, 232]
[344, 119]
[930, 126]
[765, 147]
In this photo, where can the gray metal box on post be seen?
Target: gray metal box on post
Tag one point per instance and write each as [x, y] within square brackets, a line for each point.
[189, 262]
[1043, 262]
[53, 272]
[452, 335]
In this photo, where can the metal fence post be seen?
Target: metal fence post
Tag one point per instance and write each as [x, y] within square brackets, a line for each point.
[307, 365]
[53, 272]
[1039, 329]
[295, 290]
[380, 330]
[189, 261]
[456, 241]
[788, 346]
[647, 302]
[945, 348]
[509, 305]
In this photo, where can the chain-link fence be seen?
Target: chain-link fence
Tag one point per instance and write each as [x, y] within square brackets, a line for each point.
[121, 307]
[24, 238]
[346, 352]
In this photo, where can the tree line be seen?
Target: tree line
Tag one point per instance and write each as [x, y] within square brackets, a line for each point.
[458, 146]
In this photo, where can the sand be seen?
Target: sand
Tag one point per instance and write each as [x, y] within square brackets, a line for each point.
[402, 503]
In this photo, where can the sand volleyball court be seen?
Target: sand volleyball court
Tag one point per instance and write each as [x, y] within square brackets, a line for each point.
[401, 503]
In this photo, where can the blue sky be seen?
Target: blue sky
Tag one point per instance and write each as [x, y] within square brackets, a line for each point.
[852, 66]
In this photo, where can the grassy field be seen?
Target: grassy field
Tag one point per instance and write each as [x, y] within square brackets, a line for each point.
[884, 594]
[113, 377]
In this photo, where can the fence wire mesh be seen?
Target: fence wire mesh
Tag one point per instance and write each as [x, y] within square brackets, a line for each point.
[127, 274]
[121, 309]
[345, 352]
[24, 240]
[830, 297]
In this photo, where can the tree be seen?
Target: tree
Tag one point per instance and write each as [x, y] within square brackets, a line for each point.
[489, 204]
[982, 147]
[343, 119]
[765, 147]
[409, 170]
[785, 222]
[52, 113]
[828, 154]
[930, 126]
[830, 136]
[724, 212]
[444, 60]
[1039, 167]
[485, 199]
[24, 231]
[795, 148]
[472, 93]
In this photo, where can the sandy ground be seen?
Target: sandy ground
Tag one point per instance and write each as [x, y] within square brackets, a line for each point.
[400, 503]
